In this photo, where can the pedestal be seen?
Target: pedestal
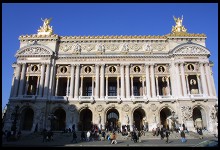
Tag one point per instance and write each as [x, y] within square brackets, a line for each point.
[189, 125]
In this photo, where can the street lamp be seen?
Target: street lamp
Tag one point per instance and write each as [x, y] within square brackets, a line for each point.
[14, 117]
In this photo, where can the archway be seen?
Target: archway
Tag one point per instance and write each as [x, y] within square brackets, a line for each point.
[59, 123]
[112, 119]
[85, 122]
[138, 116]
[164, 114]
[27, 117]
[199, 117]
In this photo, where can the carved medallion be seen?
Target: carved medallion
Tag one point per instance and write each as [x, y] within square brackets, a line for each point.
[186, 112]
[99, 108]
[126, 108]
[72, 108]
[153, 107]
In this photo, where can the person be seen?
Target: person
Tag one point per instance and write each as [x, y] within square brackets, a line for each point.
[114, 138]
[83, 136]
[19, 134]
[154, 132]
[44, 133]
[99, 119]
[167, 133]
[161, 134]
[103, 135]
[183, 137]
[139, 136]
[200, 133]
[88, 135]
[74, 137]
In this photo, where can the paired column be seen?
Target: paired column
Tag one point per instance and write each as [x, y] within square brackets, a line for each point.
[204, 85]
[97, 82]
[22, 80]
[127, 81]
[187, 83]
[199, 84]
[143, 80]
[72, 80]
[118, 88]
[76, 94]
[152, 81]
[157, 85]
[178, 85]
[67, 86]
[27, 83]
[38, 83]
[42, 80]
[148, 81]
[122, 81]
[81, 86]
[93, 79]
[46, 86]
[208, 78]
[183, 80]
[168, 85]
[102, 80]
[57, 82]
[106, 88]
[132, 86]
[17, 79]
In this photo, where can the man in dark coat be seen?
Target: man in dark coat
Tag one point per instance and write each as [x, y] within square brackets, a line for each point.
[167, 133]
[74, 137]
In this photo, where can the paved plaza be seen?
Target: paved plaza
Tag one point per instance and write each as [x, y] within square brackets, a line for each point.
[64, 140]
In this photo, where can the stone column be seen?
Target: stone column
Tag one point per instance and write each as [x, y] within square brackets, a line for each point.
[132, 86]
[93, 86]
[157, 85]
[199, 84]
[143, 80]
[212, 81]
[67, 86]
[122, 82]
[27, 83]
[57, 82]
[127, 81]
[106, 88]
[97, 82]
[81, 86]
[76, 93]
[102, 81]
[187, 83]
[42, 80]
[118, 96]
[147, 81]
[178, 84]
[208, 79]
[152, 81]
[17, 79]
[72, 80]
[22, 82]
[168, 85]
[183, 80]
[204, 85]
[46, 86]
[12, 85]
[38, 83]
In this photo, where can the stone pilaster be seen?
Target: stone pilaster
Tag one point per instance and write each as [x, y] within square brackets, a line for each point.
[22, 79]
[72, 80]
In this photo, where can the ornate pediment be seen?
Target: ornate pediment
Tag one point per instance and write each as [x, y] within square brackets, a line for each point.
[34, 50]
[190, 49]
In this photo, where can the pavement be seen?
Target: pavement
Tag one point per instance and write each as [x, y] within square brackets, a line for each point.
[64, 140]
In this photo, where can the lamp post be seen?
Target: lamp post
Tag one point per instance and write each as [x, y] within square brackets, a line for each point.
[14, 117]
[51, 117]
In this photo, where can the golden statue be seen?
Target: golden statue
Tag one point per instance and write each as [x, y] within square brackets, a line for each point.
[46, 29]
[178, 27]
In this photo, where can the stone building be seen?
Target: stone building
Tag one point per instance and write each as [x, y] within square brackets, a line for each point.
[112, 81]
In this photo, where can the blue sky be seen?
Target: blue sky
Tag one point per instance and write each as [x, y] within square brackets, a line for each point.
[77, 19]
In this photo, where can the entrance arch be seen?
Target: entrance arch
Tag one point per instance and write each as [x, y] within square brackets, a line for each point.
[138, 116]
[27, 117]
[164, 114]
[60, 122]
[85, 122]
[199, 117]
[112, 117]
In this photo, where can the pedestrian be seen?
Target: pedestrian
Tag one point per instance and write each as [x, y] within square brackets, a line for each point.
[19, 134]
[74, 137]
[139, 136]
[200, 133]
[83, 136]
[154, 132]
[88, 136]
[103, 135]
[114, 139]
[161, 134]
[183, 136]
[167, 133]
[44, 133]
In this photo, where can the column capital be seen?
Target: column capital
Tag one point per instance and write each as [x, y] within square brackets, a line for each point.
[127, 64]
[156, 76]
[198, 75]
[131, 76]
[57, 77]
[186, 75]
[72, 65]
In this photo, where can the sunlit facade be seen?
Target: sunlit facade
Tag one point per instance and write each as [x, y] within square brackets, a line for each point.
[117, 81]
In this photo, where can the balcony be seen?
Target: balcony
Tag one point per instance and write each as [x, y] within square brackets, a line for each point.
[113, 99]
[60, 98]
[165, 98]
[86, 99]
